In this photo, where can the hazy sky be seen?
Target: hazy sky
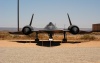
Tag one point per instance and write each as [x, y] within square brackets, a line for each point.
[83, 13]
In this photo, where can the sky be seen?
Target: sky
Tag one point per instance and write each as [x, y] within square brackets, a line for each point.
[83, 13]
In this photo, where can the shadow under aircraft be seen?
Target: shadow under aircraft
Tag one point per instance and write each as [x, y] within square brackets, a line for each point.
[47, 43]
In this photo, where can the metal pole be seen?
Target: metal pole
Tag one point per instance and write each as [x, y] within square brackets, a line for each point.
[18, 14]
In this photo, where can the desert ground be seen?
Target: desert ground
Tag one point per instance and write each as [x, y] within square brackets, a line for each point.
[81, 48]
[27, 51]
[31, 43]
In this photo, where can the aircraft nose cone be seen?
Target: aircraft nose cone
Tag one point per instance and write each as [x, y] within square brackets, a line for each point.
[26, 30]
[75, 29]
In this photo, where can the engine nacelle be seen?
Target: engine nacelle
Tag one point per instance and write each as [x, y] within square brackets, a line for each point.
[73, 29]
[27, 30]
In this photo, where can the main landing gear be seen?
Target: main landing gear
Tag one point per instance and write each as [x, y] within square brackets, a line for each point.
[50, 37]
[64, 40]
[36, 39]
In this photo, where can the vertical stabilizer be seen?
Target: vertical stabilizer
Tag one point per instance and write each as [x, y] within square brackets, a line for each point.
[31, 20]
[69, 19]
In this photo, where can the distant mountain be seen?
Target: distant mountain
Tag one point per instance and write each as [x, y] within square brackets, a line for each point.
[15, 29]
[86, 29]
[8, 29]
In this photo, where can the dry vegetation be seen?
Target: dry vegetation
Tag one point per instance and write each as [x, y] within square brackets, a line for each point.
[88, 37]
[4, 35]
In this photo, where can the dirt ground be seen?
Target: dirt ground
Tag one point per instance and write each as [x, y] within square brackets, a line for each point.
[29, 51]
[31, 43]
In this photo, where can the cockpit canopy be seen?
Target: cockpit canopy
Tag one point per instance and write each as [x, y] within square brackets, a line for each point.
[50, 26]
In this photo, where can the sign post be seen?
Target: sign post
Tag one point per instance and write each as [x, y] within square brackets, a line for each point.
[50, 41]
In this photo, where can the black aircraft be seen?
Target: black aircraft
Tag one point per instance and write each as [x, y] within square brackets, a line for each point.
[50, 29]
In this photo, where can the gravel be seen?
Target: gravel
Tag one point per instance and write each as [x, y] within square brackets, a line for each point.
[49, 55]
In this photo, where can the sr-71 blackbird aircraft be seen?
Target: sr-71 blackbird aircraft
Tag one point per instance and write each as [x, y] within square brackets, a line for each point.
[50, 29]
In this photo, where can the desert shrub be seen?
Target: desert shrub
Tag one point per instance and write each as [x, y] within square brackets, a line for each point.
[15, 36]
[43, 36]
[88, 37]
[95, 33]
[3, 35]
[31, 36]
